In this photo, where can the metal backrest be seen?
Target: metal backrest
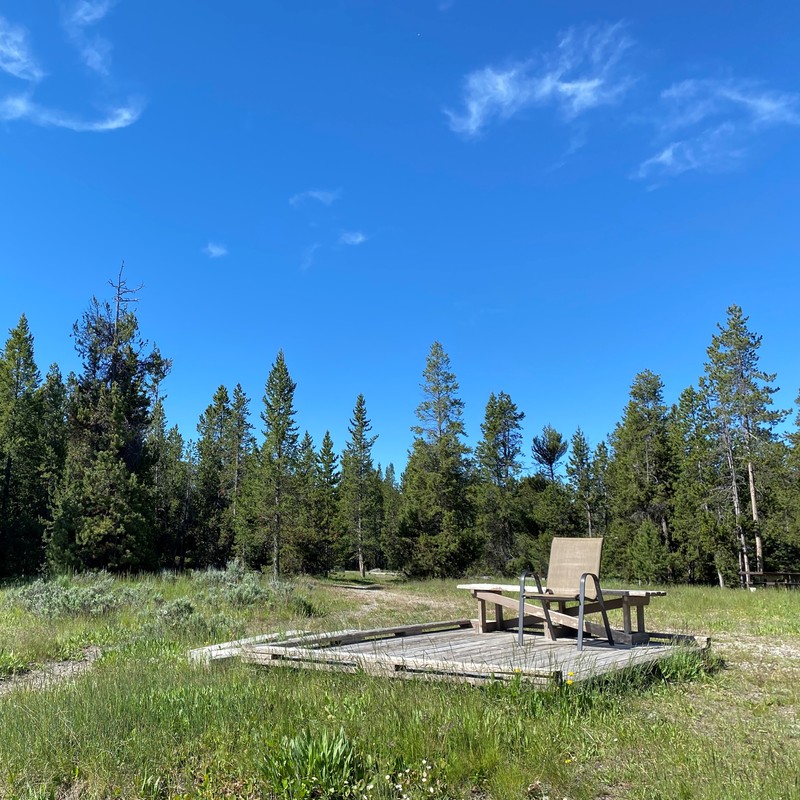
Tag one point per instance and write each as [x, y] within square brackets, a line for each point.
[569, 559]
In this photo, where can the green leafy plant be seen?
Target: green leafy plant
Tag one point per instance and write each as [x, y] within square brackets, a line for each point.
[11, 663]
[324, 765]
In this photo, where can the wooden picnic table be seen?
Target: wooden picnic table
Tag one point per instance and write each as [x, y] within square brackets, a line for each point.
[497, 595]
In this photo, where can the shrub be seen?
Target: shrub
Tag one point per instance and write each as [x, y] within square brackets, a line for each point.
[93, 597]
[176, 613]
[308, 766]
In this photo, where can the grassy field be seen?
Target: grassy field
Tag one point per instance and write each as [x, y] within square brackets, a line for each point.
[143, 722]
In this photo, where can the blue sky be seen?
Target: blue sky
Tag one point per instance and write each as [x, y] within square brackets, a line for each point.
[563, 194]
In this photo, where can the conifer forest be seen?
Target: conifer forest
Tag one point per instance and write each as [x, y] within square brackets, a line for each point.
[93, 477]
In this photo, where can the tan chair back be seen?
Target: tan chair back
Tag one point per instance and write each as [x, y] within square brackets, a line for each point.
[569, 559]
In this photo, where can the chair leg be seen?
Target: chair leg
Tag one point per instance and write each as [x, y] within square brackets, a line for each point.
[601, 603]
[521, 606]
[581, 604]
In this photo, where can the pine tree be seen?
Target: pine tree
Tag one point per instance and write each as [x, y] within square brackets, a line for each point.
[740, 395]
[171, 474]
[306, 550]
[548, 449]
[22, 496]
[579, 473]
[599, 488]
[359, 495]
[239, 443]
[213, 539]
[640, 476]
[327, 500]
[498, 462]
[437, 517]
[702, 522]
[52, 437]
[391, 503]
[104, 509]
[268, 498]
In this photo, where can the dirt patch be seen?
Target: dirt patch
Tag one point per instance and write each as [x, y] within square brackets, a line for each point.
[51, 673]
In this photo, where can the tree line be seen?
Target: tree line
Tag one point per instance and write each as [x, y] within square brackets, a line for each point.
[91, 477]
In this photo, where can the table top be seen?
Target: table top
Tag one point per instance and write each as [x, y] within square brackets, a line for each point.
[514, 588]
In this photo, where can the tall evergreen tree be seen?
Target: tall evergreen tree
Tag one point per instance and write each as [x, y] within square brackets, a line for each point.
[52, 436]
[548, 449]
[268, 502]
[22, 495]
[640, 476]
[579, 473]
[328, 499]
[740, 394]
[306, 549]
[437, 518]
[599, 483]
[498, 462]
[213, 538]
[359, 494]
[225, 441]
[239, 443]
[702, 522]
[171, 474]
[391, 503]
[104, 512]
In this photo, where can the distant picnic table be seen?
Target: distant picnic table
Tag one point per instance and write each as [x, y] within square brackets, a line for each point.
[780, 579]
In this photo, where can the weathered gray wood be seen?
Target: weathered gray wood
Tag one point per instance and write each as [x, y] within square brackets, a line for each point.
[455, 654]
[224, 650]
[354, 635]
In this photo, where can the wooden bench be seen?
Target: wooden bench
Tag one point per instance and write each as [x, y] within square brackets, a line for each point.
[501, 595]
[785, 580]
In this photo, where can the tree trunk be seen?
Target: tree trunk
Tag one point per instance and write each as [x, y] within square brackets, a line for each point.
[751, 479]
[362, 569]
[744, 560]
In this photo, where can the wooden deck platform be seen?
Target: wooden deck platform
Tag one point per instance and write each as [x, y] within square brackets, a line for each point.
[452, 650]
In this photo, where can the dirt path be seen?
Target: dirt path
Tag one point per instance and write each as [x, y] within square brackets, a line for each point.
[50, 673]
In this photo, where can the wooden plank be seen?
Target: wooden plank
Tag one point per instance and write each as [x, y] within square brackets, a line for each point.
[224, 650]
[371, 662]
[343, 637]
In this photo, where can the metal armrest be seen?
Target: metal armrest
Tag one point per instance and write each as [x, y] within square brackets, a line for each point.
[601, 602]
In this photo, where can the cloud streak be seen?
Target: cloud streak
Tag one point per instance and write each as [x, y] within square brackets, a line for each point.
[95, 51]
[582, 73]
[215, 250]
[16, 58]
[308, 256]
[324, 196]
[352, 238]
[21, 107]
[712, 124]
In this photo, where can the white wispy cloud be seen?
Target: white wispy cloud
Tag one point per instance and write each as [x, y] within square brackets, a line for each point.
[21, 107]
[324, 196]
[16, 57]
[582, 73]
[352, 238]
[215, 250]
[308, 256]
[95, 51]
[712, 124]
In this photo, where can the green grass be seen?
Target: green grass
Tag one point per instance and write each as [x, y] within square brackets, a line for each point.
[145, 723]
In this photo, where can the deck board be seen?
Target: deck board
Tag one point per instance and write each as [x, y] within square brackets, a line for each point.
[453, 651]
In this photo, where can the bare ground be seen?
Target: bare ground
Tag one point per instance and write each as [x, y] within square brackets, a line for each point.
[50, 673]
